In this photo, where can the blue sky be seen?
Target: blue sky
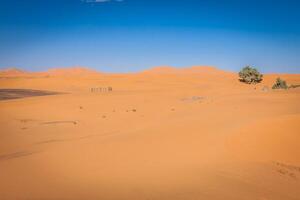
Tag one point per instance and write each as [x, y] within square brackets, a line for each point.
[132, 35]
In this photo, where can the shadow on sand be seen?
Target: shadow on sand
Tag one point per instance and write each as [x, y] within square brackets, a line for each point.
[6, 94]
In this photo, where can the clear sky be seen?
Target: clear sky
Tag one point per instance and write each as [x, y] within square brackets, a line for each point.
[131, 35]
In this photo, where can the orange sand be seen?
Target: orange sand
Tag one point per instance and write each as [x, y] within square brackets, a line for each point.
[165, 133]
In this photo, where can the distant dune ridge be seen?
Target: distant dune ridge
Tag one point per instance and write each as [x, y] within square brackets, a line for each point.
[71, 71]
[67, 71]
[83, 71]
[79, 70]
[12, 71]
[193, 69]
[162, 134]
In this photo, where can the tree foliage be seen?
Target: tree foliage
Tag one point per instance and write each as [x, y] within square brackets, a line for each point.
[250, 75]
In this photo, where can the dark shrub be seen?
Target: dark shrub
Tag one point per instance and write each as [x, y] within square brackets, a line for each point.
[250, 75]
[280, 84]
[294, 86]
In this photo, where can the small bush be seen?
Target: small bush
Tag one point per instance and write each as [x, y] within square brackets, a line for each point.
[250, 75]
[280, 84]
[294, 86]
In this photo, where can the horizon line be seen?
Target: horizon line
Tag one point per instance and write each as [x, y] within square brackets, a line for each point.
[2, 69]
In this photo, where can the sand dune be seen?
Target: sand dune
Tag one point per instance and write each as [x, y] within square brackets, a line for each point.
[172, 70]
[64, 72]
[72, 71]
[165, 133]
[12, 71]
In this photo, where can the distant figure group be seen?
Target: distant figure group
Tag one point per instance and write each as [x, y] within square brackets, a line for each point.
[101, 89]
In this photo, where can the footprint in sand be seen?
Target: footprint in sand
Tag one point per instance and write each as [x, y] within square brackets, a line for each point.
[287, 170]
[60, 122]
[25, 123]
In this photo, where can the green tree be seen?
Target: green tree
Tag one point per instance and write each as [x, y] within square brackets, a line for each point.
[250, 75]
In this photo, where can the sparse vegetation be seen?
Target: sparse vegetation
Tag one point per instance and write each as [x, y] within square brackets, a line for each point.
[280, 84]
[250, 75]
[294, 86]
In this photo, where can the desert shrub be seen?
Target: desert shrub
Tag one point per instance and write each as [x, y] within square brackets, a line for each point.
[250, 75]
[280, 84]
[294, 86]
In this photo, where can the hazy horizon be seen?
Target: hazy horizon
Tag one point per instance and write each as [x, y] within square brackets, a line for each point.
[133, 35]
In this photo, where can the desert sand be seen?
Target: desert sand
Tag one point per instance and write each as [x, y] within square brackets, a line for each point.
[161, 134]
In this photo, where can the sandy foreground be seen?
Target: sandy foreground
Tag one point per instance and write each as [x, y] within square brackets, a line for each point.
[168, 134]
